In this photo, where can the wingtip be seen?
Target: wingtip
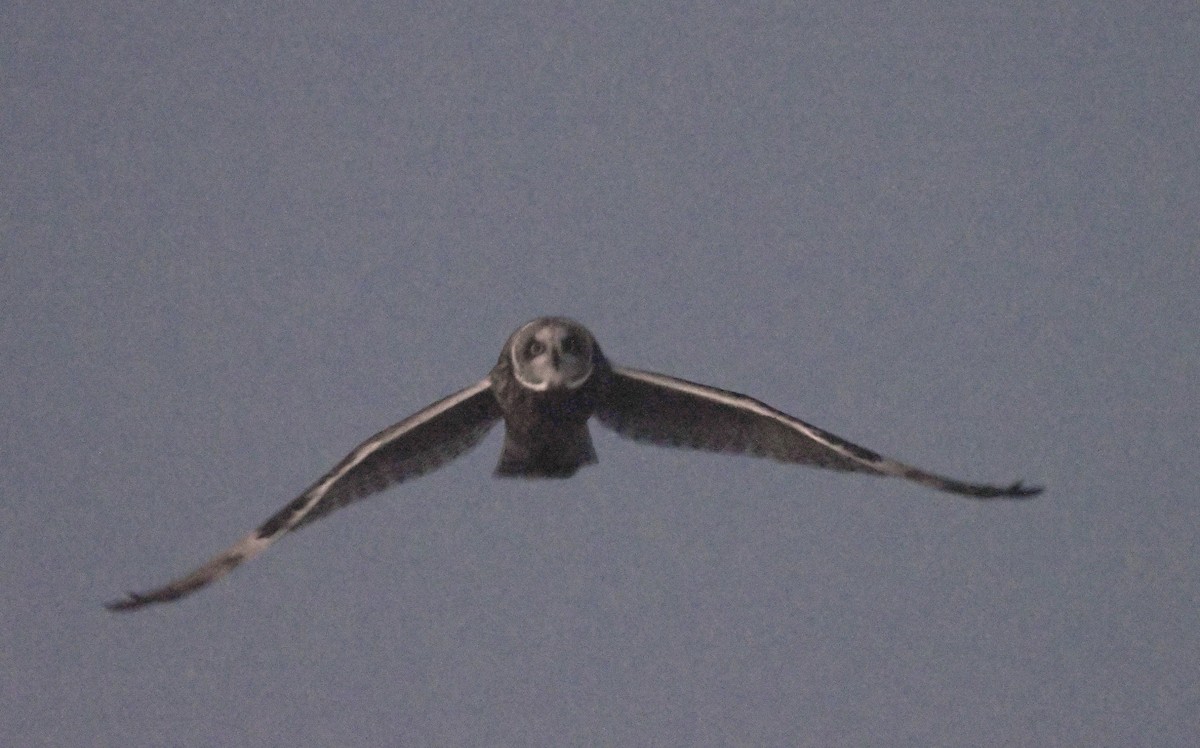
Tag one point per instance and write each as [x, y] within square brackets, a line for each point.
[1019, 490]
[131, 601]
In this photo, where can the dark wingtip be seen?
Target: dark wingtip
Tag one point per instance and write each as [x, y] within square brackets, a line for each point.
[131, 601]
[1019, 490]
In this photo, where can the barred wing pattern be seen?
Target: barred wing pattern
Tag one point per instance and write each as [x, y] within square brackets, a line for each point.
[669, 411]
[420, 443]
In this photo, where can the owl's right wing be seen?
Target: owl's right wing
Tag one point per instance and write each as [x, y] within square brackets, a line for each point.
[420, 443]
[669, 411]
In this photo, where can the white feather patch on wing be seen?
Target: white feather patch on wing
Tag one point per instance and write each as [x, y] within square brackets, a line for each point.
[295, 512]
[856, 457]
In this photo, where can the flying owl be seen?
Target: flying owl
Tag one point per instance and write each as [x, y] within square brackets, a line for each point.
[550, 380]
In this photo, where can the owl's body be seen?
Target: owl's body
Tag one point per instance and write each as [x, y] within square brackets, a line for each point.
[551, 378]
[545, 430]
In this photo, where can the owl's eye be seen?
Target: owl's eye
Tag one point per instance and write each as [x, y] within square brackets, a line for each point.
[535, 348]
[570, 345]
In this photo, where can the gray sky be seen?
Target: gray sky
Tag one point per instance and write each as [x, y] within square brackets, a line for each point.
[236, 242]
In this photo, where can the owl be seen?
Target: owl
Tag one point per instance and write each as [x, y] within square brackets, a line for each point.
[550, 380]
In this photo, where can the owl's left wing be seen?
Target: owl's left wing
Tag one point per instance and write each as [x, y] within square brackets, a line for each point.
[422, 442]
[668, 411]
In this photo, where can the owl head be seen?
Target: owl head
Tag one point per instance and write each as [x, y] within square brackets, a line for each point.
[551, 353]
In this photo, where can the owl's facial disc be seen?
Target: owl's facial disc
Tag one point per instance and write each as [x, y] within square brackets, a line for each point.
[551, 354]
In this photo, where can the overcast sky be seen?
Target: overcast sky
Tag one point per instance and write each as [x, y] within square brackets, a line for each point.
[237, 241]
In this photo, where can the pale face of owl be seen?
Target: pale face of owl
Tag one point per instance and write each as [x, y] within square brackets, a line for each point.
[551, 353]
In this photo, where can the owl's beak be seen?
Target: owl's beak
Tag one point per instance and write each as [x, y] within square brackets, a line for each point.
[556, 378]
